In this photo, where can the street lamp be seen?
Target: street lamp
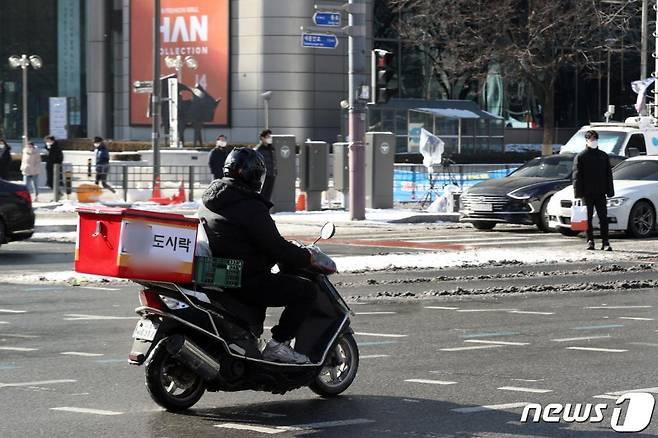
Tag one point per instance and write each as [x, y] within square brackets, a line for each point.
[178, 62]
[267, 96]
[24, 62]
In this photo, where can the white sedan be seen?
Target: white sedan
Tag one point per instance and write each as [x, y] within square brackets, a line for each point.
[632, 209]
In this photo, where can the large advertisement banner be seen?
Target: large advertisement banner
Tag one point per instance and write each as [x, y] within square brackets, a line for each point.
[196, 28]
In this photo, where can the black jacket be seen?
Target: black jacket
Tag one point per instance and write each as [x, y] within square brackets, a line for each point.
[5, 161]
[240, 227]
[55, 155]
[269, 155]
[216, 160]
[592, 174]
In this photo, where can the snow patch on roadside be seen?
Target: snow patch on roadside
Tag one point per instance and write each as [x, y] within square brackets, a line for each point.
[60, 237]
[60, 277]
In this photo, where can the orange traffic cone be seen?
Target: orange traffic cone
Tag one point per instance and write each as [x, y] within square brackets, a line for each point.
[301, 202]
[180, 197]
[156, 188]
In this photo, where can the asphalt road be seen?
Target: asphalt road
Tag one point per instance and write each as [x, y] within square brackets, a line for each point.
[458, 366]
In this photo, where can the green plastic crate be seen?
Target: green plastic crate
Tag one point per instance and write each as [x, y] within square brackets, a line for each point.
[213, 271]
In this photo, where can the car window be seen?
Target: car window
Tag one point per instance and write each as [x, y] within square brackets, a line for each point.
[616, 159]
[636, 142]
[558, 167]
[610, 142]
[636, 170]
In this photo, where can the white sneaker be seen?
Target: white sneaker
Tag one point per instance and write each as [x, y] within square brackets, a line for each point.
[282, 352]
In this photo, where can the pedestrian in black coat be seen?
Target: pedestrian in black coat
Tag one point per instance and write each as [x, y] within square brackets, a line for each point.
[5, 159]
[266, 149]
[592, 182]
[217, 157]
[55, 156]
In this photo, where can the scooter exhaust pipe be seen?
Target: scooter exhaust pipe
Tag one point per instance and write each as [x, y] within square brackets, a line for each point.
[193, 356]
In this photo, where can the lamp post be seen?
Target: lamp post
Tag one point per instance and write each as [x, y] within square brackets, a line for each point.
[178, 62]
[24, 62]
[267, 96]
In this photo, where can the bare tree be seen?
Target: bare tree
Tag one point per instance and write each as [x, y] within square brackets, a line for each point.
[529, 40]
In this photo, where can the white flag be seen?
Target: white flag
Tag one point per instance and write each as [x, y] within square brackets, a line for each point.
[431, 147]
[640, 87]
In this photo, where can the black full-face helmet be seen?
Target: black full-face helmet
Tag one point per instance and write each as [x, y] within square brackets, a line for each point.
[247, 166]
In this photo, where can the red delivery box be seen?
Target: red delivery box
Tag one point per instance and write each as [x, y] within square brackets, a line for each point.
[135, 244]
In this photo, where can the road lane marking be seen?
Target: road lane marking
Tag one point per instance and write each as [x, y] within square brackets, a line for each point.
[584, 338]
[596, 327]
[86, 411]
[441, 308]
[606, 397]
[618, 307]
[374, 356]
[271, 430]
[18, 349]
[530, 312]
[12, 311]
[4, 322]
[522, 389]
[41, 382]
[474, 347]
[489, 335]
[381, 335]
[501, 407]
[81, 317]
[645, 344]
[431, 382]
[375, 313]
[603, 350]
[12, 335]
[79, 353]
[482, 341]
[635, 318]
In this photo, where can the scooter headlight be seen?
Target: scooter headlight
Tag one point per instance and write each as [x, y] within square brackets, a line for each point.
[616, 202]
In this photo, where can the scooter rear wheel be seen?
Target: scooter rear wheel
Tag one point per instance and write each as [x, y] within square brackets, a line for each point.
[170, 383]
[339, 369]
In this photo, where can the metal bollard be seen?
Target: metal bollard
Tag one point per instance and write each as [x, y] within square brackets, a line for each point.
[56, 181]
[191, 184]
[125, 183]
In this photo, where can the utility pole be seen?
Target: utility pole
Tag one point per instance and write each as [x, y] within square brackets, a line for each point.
[644, 40]
[655, 73]
[157, 92]
[357, 108]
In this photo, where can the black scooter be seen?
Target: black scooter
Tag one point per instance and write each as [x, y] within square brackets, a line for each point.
[193, 339]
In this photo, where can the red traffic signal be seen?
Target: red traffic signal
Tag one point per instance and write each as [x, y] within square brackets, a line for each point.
[383, 75]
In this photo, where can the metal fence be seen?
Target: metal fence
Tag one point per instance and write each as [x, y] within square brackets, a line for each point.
[135, 181]
[412, 182]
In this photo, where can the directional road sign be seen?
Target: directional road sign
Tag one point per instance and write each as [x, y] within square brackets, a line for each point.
[329, 19]
[319, 40]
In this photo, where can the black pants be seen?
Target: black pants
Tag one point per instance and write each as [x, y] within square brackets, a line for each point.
[296, 294]
[600, 203]
[102, 179]
[268, 187]
[50, 180]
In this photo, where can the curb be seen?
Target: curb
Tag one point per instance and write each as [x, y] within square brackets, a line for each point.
[426, 219]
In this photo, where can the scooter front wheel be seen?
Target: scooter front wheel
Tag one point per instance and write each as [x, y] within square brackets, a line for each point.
[170, 383]
[339, 369]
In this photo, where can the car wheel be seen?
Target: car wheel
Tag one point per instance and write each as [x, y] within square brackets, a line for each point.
[567, 232]
[642, 220]
[482, 225]
[542, 218]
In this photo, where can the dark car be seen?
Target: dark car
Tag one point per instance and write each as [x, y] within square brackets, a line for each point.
[16, 214]
[522, 196]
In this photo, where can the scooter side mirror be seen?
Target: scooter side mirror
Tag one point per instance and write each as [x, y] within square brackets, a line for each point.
[328, 231]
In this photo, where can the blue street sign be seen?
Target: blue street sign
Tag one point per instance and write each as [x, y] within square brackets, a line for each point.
[319, 40]
[330, 19]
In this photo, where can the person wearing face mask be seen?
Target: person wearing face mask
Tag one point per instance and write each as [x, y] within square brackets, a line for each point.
[266, 149]
[55, 156]
[102, 163]
[218, 156]
[592, 182]
[30, 168]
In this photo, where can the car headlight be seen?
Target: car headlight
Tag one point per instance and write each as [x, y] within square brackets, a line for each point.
[616, 202]
[519, 194]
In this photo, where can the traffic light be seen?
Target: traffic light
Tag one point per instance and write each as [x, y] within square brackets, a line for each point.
[383, 74]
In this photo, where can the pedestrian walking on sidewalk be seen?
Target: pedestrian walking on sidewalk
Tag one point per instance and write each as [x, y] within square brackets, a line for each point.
[55, 156]
[5, 159]
[30, 168]
[266, 149]
[102, 163]
[218, 156]
[592, 181]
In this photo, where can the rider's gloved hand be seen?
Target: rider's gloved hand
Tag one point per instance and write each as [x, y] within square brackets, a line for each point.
[321, 262]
